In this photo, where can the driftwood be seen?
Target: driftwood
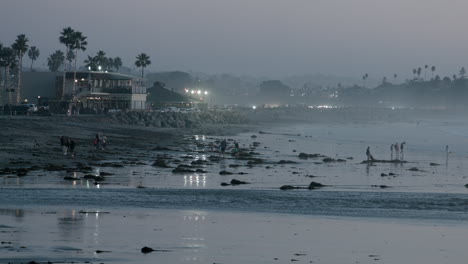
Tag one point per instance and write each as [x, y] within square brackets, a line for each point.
[384, 161]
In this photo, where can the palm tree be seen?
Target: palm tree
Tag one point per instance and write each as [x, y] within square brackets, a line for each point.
[8, 61]
[55, 60]
[33, 54]
[91, 63]
[364, 78]
[117, 63]
[395, 76]
[78, 43]
[414, 74]
[66, 39]
[101, 59]
[425, 70]
[20, 47]
[433, 68]
[142, 61]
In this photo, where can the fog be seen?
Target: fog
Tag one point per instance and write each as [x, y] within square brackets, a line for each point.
[270, 38]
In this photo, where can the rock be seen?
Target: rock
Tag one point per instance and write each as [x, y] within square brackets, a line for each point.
[225, 184]
[434, 164]
[182, 169]
[315, 185]
[289, 187]
[303, 155]
[328, 160]
[383, 175]
[160, 163]
[70, 178]
[238, 182]
[391, 174]
[225, 173]
[286, 162]
[146, 250]
[414, 169]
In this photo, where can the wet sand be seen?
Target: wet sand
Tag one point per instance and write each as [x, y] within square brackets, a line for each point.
[64, 235]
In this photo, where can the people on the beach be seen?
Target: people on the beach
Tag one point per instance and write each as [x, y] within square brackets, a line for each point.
[64, 145]
[235, 150]
[397, 150]
[104, 142]
[402, 146]
[71, 147]
[391, 152]
[223, 146]
[369, 155]
[96, 142]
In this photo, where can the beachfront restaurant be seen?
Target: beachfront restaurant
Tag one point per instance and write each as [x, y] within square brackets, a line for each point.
[99, 91]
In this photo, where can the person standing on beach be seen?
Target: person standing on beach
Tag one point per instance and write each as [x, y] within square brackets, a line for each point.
[222, 146]
[369, 155]
[391, 152]
[402, 146]
[397, 151]
[63, 145]
[96, 142]
[71, 147]
[104, 141]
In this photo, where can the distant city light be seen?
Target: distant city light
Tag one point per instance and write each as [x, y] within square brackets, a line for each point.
[206, 92]
[199, 92]
[254, 107]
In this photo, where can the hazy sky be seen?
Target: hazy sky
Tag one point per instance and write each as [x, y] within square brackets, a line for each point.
[256, 37]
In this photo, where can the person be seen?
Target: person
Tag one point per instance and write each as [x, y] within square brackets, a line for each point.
[104, 141]
[96, 142]
[222, 146]
[397, 150]
[63, 144]
[391, 152]
[71, 146]
[402, 146]
[236, 149]
[369, 155]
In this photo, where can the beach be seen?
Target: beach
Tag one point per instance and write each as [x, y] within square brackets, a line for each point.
[166, 189]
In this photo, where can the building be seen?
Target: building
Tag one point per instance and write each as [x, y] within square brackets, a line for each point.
[95, 90]
[102, 90]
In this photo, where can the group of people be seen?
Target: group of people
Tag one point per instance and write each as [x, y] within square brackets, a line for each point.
[397, 147]
[223, 146]
[68, 146]
[399, 151]
[100, 142]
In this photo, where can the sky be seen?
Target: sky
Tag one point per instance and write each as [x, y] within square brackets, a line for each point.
[276, 38]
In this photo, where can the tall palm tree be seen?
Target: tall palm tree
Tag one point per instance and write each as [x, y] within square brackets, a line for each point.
[142, 61]
[101, 59]
[20, 47]
[55, 60]
[91, 63]
[364, 78]
[8, 61]
[78, 43]
[66, 39]
[33, 54]
[433, 68]
[117, 63]
[425, 70]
